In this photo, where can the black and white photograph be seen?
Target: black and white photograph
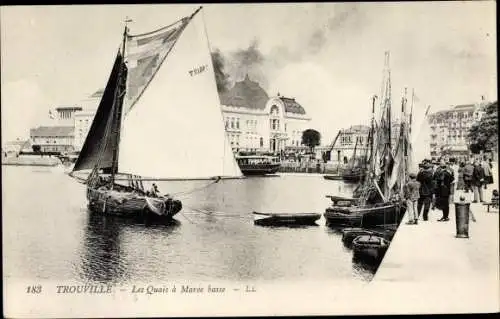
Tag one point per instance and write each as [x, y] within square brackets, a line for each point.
[249, 159]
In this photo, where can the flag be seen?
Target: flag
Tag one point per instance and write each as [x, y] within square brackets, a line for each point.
[145, 54]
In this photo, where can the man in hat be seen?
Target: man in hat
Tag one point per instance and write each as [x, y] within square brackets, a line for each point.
[425, 178]
[411, 195]
[443, 179]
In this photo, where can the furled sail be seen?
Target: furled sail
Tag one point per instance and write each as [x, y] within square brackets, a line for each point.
[174, 129]
[101, 139]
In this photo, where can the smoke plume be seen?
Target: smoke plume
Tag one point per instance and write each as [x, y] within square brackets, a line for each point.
[330, 24]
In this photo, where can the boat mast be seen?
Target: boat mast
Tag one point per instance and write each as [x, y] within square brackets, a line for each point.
[388, 142]
[117, 109]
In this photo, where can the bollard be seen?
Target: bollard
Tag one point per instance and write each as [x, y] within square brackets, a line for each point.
[462, 210]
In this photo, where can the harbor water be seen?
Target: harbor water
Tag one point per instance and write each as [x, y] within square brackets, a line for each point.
[49, 234]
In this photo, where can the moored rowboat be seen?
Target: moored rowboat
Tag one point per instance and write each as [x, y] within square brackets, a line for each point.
[270, 219]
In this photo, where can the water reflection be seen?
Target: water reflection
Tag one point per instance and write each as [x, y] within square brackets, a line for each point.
[102, 258]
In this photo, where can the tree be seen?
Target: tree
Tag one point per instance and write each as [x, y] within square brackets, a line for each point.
[221, 78]
[483, 135]
[311, 138]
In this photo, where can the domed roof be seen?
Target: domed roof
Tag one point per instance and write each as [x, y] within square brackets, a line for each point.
[246, 93]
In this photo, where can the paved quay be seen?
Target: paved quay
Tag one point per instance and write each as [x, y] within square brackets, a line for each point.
[428, 270]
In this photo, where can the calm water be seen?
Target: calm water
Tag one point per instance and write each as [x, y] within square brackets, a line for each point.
[49, 234]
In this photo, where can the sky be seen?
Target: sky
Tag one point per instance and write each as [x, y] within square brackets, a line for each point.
[329, 56]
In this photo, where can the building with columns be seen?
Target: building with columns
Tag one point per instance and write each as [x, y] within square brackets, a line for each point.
[256, 122]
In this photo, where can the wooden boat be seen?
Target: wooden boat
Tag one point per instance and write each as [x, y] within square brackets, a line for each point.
[349, 234]
[158, 81]
[367, 216]
[333, 177]
[353, 175]
[272, 219]
[258, 164]
[370, 247]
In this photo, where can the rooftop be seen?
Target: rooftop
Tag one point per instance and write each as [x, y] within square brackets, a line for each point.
[292, 106]
[71, 108]
[98, 93]
[45, 131]
[246, 93]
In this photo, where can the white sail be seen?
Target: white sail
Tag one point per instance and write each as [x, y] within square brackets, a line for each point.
[420, 139]
[175, 128]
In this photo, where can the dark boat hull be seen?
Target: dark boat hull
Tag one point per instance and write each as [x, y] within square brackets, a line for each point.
[131, 205]
[352, 178]
[364, 216]
[370, 247]
[264, 219]
[333, 177]
[259, 169]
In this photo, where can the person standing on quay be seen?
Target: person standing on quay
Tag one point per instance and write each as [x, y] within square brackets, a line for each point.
[460, 177]
[425, 178]
[488, 178]
[411, 195]
[443, 179]
[468, 171]
[477, 182]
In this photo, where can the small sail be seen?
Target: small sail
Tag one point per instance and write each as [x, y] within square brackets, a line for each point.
[421, 138]
[101, 141]
[175, 128]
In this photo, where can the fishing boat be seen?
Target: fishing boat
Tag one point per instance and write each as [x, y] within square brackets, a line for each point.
[379, 200]
[279, 219]
[258, 164]
[159, 111]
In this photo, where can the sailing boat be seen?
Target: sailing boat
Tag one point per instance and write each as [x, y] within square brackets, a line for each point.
[161, 91]
[380, 202]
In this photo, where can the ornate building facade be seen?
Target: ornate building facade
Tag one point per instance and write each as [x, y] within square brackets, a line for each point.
[449, 129]
[256, 122]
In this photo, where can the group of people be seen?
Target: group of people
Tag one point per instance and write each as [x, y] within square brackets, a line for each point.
[434, 185]
[473, 176]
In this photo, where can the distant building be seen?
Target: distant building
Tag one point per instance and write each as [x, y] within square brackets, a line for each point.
[13, 148]
[256, 122]
[343, 150]
[53, 138]
[65, 115]
[450, 128]
[84, 118]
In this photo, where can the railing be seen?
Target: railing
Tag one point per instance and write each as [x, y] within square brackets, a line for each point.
[310, 167]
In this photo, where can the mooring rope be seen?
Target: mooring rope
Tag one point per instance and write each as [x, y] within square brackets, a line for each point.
[184, 193]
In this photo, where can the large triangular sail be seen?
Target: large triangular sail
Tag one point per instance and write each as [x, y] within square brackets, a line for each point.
[102, 138]
[172, 126]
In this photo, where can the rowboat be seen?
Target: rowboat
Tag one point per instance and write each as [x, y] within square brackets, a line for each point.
[272, 219]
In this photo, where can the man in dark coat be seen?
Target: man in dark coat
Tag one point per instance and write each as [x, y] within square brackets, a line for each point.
[443, 181]
[477, 181]
[468, 171]
[425, 178]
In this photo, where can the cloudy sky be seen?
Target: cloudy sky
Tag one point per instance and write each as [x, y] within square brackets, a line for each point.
[328, 56]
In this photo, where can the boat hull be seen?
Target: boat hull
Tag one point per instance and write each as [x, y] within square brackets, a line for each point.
[264, 219]
[370, 247]
[364, 216]
[333, 177]
[259, 169]
[132, 205]
[352, 178]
